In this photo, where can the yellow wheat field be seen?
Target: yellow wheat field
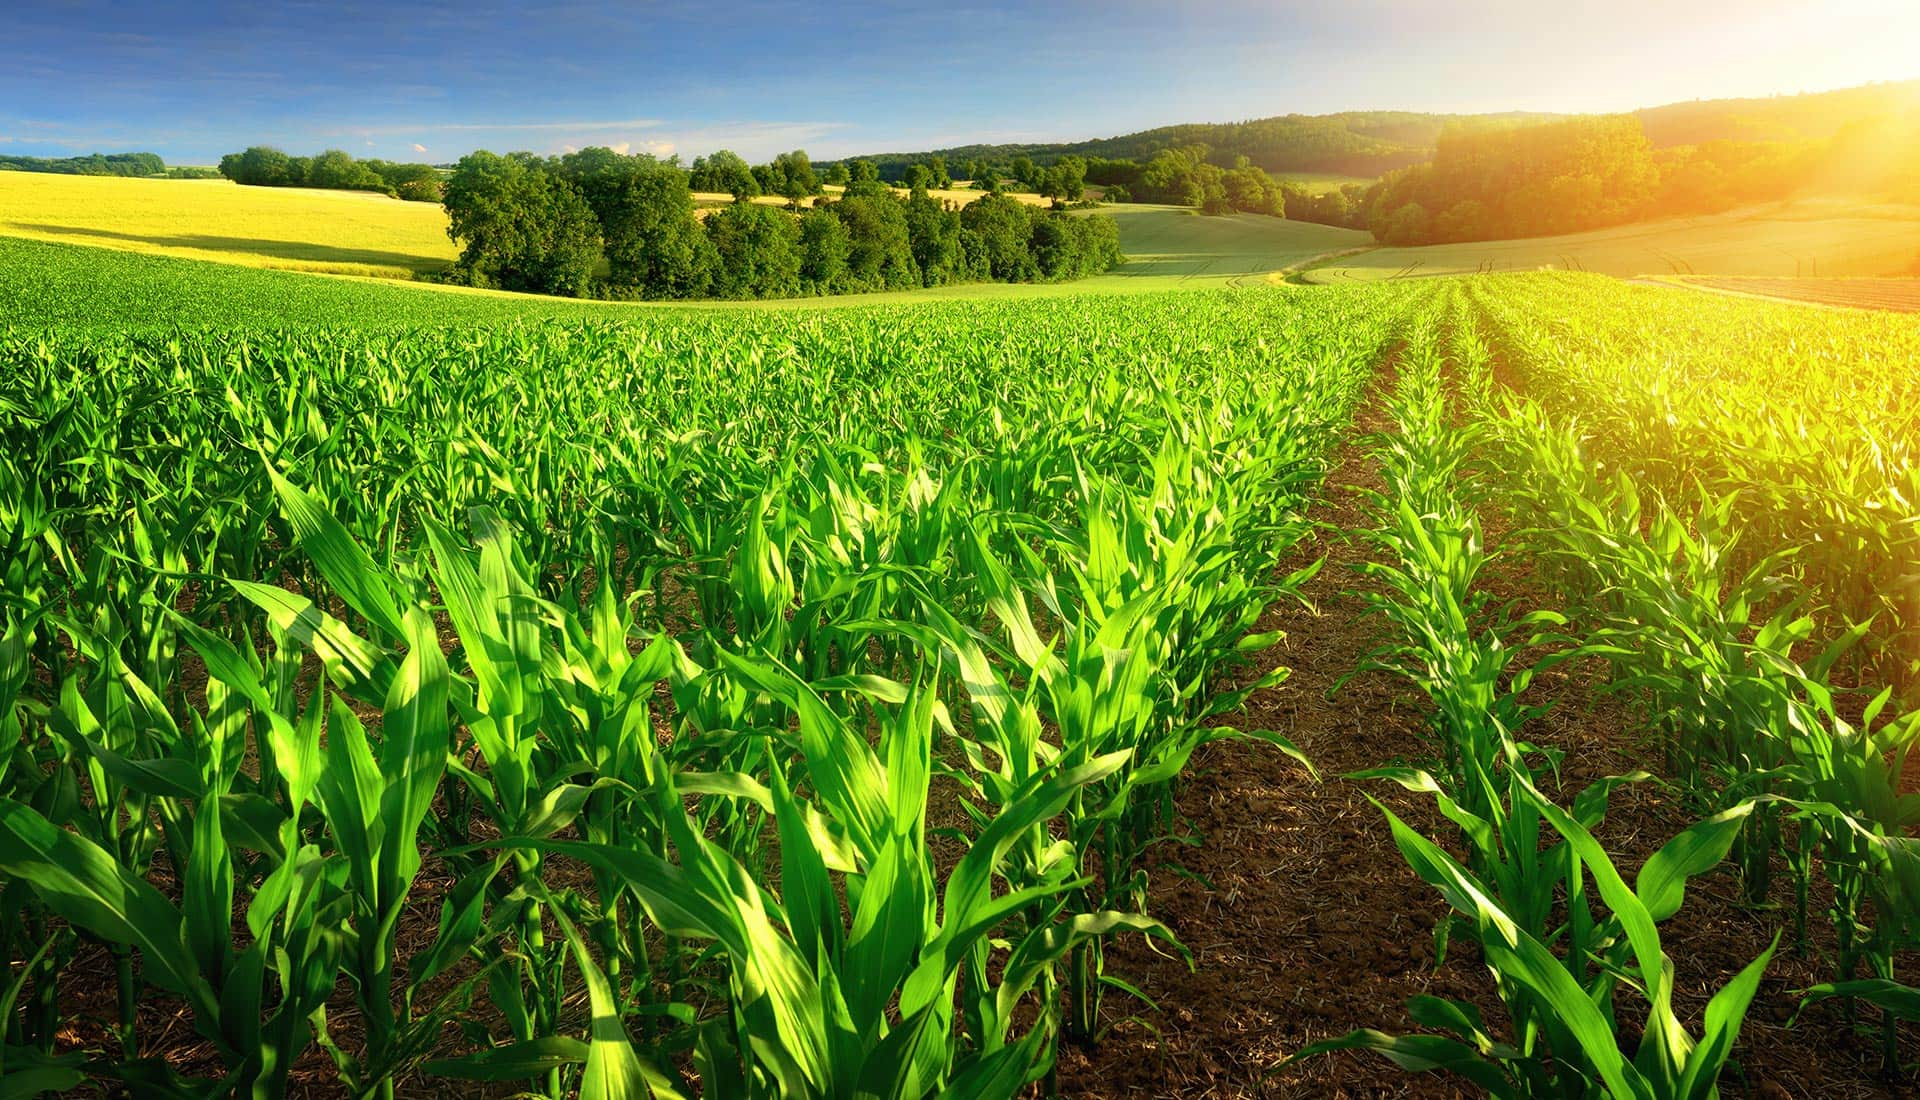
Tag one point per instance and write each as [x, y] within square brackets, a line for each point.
[342, 232]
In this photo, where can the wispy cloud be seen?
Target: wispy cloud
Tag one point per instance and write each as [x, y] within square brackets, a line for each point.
[419, 148]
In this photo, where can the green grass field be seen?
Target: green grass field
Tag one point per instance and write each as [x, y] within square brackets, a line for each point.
[1797, 239]
[1170, 243]
[1320, 183]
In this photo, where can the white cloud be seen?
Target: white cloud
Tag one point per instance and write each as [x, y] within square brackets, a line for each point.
[621, 147]
[419, 148]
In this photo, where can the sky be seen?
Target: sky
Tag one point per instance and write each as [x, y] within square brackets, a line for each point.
[427, 80]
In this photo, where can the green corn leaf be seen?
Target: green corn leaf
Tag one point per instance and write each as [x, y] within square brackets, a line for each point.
[339, 558]
[81, 882]
[1661, 884]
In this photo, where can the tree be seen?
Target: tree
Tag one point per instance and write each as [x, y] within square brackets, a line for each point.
[1005, 228]
[1463, 221]
[879, 253]
[933, 235]
[863, 178]
[1026, 172]
[940, 179]
[797, 178]
[837, 175]
[1177, 177]
[259, 165]
[1055, 247]
[520, 226]
[1406, 225]
[1251, 191]
[338, 171]
[725, 172]
[1065, 181]
[756, 251]
[918, 178]
[824, 248]
[654, 244]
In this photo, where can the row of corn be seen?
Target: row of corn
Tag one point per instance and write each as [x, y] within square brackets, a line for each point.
[1726, 614]
[1573, 948]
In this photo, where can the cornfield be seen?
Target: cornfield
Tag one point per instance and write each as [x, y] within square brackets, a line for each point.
[755, 704]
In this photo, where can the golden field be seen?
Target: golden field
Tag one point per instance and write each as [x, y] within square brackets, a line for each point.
[339, 232]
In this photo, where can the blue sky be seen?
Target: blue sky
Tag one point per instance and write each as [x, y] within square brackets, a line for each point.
[421, 79]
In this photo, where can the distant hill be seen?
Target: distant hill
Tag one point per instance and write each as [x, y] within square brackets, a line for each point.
[1810, 116]
[1369, 143]
[1353, 143]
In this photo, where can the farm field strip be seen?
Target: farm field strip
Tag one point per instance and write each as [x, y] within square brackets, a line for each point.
[300, 229]
[1781, 241]
[1895, 295]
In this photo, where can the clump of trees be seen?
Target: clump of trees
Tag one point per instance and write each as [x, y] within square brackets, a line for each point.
[1185, 176]
[94, 164]
[1344, 206]
[1589, 173]
[1559, 177]
[600, 223]
[725, 172]
[265, 166]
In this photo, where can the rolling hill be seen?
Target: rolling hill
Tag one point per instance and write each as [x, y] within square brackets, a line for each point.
[1368, 143]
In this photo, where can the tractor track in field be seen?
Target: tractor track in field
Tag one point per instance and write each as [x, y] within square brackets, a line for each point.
[1306, 923]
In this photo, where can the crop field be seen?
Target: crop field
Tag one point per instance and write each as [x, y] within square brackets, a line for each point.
[1498, 685]
[1898, 295]
[1791, 240]
[294, 229]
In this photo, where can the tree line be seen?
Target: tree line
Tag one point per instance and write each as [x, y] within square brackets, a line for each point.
[1593, 172]
[265, 166]
[1359, 143]
[94, 164]
[600, 223]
